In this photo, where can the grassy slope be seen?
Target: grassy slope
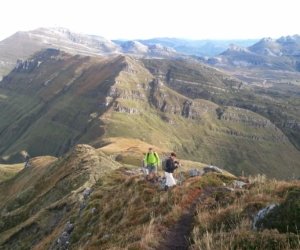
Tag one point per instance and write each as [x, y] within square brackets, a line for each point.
[239, 143]
[68, 107]
[130, 213]
[124, 211]
[207, 144]
[277, 99]
[58, 113]
[45, 195]
[8, 171]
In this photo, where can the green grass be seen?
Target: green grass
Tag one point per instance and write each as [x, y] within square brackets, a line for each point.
[210, 141]
[278, 103]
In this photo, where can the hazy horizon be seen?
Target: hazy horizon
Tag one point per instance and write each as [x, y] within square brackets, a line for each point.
[147, 38]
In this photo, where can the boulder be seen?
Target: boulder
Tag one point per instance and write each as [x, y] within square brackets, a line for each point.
[211, 168]
[284, 217]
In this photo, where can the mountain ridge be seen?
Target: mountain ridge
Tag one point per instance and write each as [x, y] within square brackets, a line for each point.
[87, 200]
[69, 99]
[28, 43]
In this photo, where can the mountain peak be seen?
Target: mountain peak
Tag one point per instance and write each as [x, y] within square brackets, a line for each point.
[267, 46]
[134, 47]
[267, 40]
[234, 47]
[293, 38]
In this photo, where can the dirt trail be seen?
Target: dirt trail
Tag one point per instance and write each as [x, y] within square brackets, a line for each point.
[178, 236]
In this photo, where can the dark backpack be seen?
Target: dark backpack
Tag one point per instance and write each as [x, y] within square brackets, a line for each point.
[164, 164]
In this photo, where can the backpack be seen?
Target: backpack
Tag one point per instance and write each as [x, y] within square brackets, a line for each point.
[155, 155]
[164, 164]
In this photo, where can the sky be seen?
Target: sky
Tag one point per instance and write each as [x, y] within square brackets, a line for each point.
[132, 19]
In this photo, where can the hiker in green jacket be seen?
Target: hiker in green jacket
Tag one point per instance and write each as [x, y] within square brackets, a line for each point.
[151, 162]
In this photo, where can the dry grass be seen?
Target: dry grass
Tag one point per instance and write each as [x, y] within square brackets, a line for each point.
[8, 171]
[225, 226]
[27, 177]
[133, 213]
[132, 151]
[149, 235]
[119, 144]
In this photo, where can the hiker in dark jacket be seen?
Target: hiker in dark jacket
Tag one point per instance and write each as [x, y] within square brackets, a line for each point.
[171, 165]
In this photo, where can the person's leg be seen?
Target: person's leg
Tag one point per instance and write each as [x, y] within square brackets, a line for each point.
[151, 170]
[173, 180]
[152, 173]
[170, 180]
[155, 173]
[146, 172]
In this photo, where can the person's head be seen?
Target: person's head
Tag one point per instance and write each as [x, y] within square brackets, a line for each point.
[150, 149]
[173, 155]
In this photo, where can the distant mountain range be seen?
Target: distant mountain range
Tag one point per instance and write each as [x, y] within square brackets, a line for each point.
[280, 54]
[22, 45]
[205, 48]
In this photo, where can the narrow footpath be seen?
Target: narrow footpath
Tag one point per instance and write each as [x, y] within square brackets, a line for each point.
[178, 236]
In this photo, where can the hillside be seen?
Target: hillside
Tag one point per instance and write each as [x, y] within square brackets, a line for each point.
[43, 196]
[272, 94]
[195, 129]
[85, 200]
[55, 101]
[270, 69]
[54, 105]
